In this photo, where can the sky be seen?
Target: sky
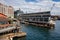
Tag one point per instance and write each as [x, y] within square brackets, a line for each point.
[56, 0]
[30, 6]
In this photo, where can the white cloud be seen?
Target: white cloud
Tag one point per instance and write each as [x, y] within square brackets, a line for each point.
[2, 1]
[43, 0]
[40, 5]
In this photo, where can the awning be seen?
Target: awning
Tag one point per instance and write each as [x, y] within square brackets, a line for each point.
[3, 15]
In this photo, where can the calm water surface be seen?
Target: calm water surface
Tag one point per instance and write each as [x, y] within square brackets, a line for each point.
[38, 33]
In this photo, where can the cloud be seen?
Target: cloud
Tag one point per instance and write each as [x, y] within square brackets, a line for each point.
[2, 1]
[39, 5]
[43, 0]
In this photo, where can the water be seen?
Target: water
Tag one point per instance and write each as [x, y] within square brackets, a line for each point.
[38, 33]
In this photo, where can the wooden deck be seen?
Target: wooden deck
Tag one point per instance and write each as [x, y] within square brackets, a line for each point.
[11, 35]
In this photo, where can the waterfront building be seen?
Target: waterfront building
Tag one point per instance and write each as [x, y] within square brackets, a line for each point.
[8, 25]
[38, 19]
[7, 10]
[9, 28]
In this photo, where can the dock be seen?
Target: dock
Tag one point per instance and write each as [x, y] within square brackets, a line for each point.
[10, 36]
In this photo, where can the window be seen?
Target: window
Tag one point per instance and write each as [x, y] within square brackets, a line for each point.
[41, 19]
[46, 15]
[46, 19]
[3, 22]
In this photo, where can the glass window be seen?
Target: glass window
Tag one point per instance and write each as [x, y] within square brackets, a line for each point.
[41, 19]
[46, 15]
[46, 19]
[3, 22]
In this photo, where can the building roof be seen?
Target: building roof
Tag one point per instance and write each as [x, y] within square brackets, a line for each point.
[3, 18]
[2, 15]
[45, 12]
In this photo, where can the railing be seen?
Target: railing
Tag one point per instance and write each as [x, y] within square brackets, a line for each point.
[6, 26]
[7, 29]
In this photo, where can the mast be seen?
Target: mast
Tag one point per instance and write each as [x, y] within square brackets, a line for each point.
[52, 6]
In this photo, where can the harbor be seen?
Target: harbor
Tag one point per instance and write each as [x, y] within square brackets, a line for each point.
[9, 26]
[38, 33]
[29, 20]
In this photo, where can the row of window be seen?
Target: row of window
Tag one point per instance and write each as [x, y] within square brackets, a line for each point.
[36, 16]
[3, 22]
[36, 19]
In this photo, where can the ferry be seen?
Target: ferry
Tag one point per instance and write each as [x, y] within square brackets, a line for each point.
[42, 19]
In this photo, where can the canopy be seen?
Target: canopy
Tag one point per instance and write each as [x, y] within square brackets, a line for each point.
[2, 15]
[3, 18]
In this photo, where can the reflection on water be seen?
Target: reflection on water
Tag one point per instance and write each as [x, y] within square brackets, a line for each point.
[38, 33]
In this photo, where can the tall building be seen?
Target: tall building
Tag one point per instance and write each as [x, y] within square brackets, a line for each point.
[7, 10]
